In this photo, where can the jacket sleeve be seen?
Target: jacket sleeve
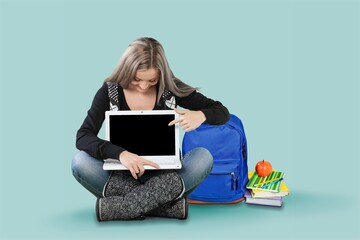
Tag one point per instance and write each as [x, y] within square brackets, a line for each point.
[86, 137]
[214, 111]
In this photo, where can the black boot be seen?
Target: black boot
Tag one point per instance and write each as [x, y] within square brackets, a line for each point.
[119, 184]
[175, 209]
[158, 190]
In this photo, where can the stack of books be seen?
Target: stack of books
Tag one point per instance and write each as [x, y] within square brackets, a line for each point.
[268, 190]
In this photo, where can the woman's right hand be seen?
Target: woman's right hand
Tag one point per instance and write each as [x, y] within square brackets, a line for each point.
[135, 163]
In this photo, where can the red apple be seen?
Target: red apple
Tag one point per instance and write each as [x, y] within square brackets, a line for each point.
[263, 168]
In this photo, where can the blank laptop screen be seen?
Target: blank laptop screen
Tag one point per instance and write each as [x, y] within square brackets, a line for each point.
[144, 135]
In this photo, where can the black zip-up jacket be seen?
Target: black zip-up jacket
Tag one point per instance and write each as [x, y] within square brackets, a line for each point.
[88, 141]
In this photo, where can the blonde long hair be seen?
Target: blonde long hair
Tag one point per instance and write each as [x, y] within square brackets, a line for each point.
[145, 53]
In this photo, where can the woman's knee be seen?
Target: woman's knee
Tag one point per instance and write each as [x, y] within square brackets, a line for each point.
[77, 162]
[197, 165]
[199, 159]
[82, 164]
[205, 156]
[89, 172]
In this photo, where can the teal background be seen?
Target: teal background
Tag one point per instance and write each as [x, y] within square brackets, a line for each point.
[288, 69]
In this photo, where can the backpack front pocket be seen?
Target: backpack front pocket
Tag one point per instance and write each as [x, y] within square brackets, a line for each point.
[221, 182]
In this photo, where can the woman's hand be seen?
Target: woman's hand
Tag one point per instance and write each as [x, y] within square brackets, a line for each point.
[189, 120]
[135, 163]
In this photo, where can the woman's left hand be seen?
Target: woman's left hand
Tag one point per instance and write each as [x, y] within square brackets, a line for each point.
[189, 120]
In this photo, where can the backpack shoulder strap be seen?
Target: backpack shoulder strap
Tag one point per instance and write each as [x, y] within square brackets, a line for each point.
[113, 96]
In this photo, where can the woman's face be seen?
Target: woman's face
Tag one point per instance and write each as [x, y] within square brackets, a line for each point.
[145, 79]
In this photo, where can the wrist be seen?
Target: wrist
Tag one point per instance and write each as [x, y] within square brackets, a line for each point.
[121, 155]
[202, 114]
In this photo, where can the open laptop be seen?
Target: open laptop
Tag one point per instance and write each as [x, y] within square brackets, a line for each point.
[145, 133]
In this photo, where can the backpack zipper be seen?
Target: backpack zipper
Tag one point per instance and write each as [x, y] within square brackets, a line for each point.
[237, 183]
[232, 178]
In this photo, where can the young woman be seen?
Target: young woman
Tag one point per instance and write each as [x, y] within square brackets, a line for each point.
[143, 81]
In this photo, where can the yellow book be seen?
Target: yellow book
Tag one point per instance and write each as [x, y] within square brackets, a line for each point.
[284, 190]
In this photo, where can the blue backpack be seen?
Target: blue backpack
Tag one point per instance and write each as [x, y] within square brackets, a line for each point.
[229, 176]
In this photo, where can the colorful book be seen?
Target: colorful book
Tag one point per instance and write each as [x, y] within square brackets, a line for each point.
[284, 191]
[270, 183]
[256, 193]
[273, 201]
